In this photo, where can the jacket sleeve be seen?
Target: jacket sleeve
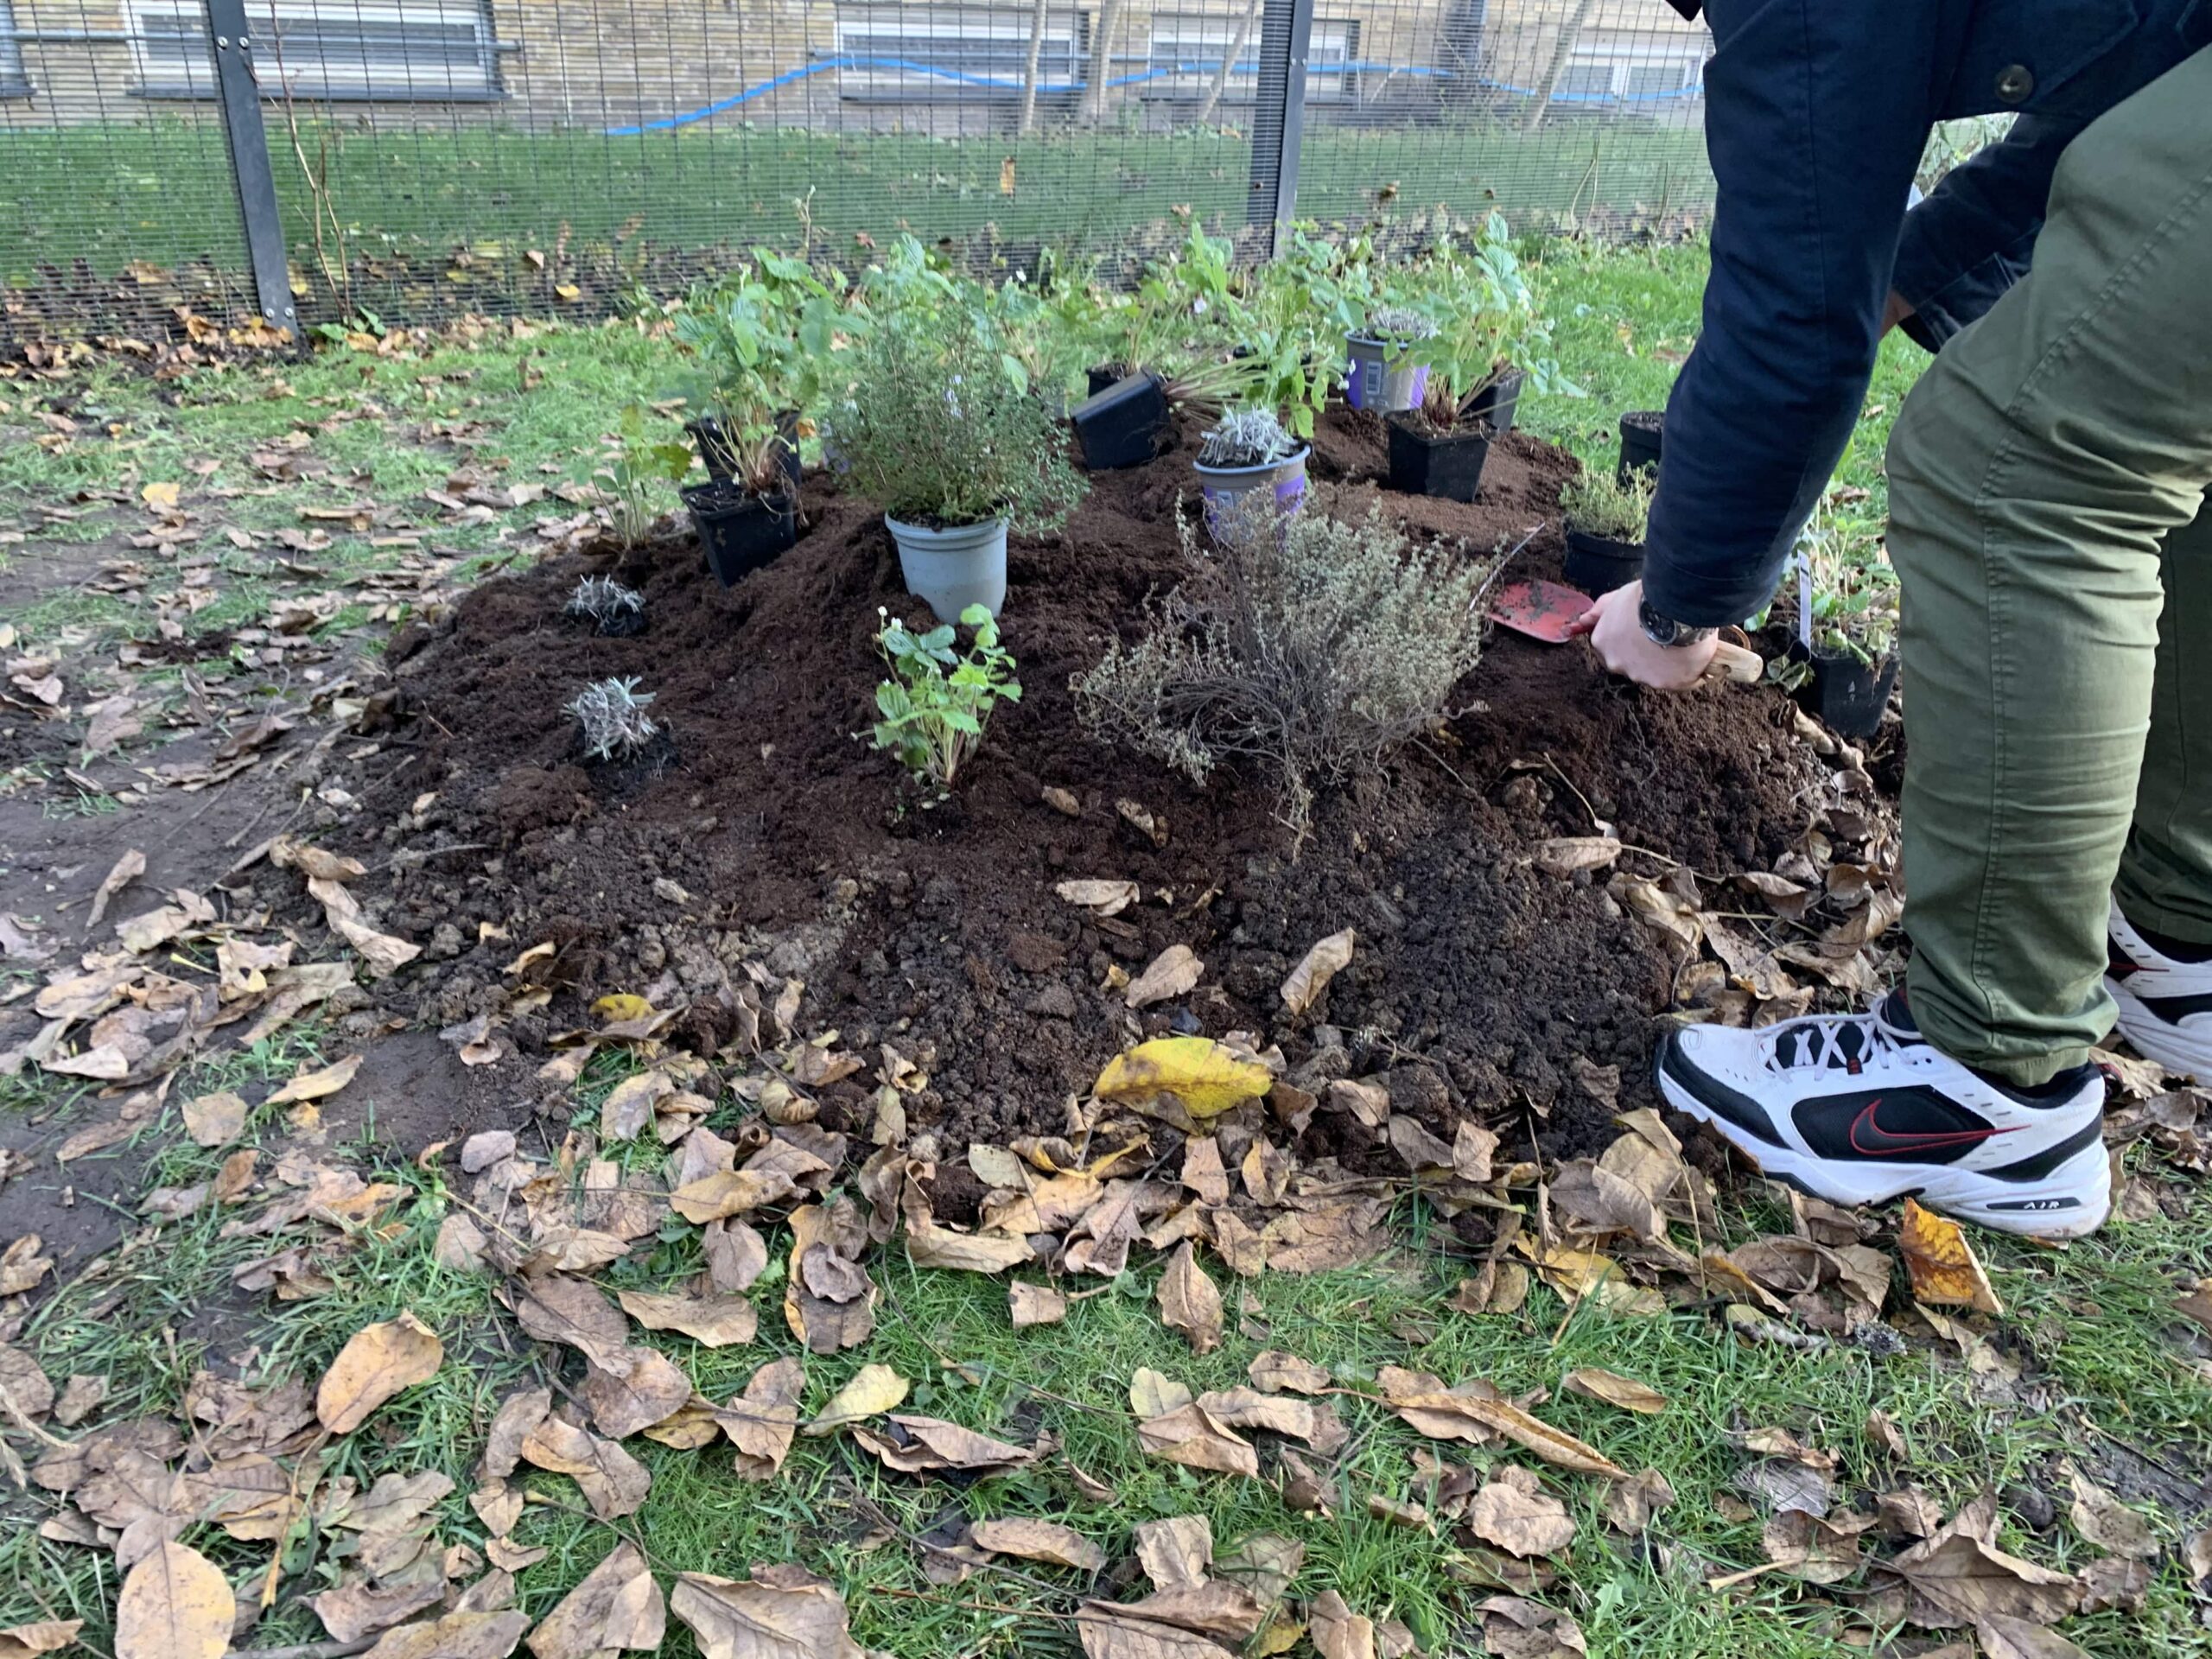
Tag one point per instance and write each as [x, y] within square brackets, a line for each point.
[1816, 117]
[1971, 239]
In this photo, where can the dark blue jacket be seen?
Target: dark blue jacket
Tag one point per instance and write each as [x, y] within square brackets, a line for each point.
[1816, 113]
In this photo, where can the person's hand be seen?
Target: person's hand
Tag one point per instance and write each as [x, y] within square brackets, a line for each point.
[1895, 310]
[1623, 646]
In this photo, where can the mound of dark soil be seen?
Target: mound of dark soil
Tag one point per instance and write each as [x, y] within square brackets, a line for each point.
[770, 833]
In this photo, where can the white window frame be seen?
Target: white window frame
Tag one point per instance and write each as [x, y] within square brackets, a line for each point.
[14, 82]
[892, 31]
[1204, 37]
[1618, 59]
[167, 73]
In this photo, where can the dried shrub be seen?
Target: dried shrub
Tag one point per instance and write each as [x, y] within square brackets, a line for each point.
[611, 714]
[1310, 644]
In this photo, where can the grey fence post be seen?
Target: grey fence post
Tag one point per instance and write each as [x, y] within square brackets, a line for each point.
[1278, 116]
[230, 47]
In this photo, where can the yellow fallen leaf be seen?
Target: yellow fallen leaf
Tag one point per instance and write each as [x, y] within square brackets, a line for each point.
[1314, 971]
[162, 495]
[873, 1390]
[314, 1086]
[615, 1008]
[1943, 1263]
[377, 1363]
[1206, 1077]
[175, 1605]
[1615, 1390]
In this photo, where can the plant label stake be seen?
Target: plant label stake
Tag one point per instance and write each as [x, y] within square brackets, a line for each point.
[1546, 611]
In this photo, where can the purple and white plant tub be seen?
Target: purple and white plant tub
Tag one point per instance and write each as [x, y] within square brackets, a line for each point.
[1380, 377]
[1220, 488]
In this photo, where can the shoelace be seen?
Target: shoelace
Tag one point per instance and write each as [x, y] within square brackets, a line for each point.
[1840, 1045]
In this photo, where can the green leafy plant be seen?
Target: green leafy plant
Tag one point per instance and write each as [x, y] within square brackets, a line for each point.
[938, 699]
[642, 464]
[611, 715]
[1600, 503]
[940, 431]
[1246, 437]
[763, 340]
[1850, 590]
[1310, 644]
[1488, 322]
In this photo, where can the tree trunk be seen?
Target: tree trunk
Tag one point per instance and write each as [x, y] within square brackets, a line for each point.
[1235, 51]
[1029, 70]
[1563, 49]
[1102, 57]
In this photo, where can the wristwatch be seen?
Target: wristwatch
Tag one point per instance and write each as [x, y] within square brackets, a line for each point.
[1665, 630]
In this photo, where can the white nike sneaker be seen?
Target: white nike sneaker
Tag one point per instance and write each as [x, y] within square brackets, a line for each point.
[2166, 1004]
[1861, 1108]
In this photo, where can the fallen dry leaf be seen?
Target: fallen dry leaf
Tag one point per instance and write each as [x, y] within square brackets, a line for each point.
[377, 1362]
[1566, 855]
[23, 1640]
[175, 1605]
[1631, 1503]
[874, 1390]
[1339, 1633]
[1944, 1270]
[2005, 1637]
[127, 869]
[615, 1606]
[1033, 1304]
[1515, 1513]
[1110, 1631]
[715, 1321]
[930, 1246]
[1189, 1435]
[317, 1085]
[1174, 972]
[465, 1633]
[2104, 1521]
[915, 1444]
[214, 1119]
[1175, 1553]
[1100, 898]
[1038, 1540]
[781, 1612]
[1328, 958]
[1275, 1372]
[1189, 1302]
[1615, 1390]
[1206, 1077]
[632, 1388]
[762, 1420]
[612, 1482]
[1450, 1415]
[1959, 1578]
[1515, 1628]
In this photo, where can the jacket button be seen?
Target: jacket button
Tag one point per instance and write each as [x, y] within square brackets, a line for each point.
[2015, 83]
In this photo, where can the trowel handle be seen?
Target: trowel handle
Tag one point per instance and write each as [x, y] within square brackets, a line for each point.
[1736, 663]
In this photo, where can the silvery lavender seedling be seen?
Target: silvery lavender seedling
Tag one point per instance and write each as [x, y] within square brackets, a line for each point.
[1246, 437]
[612, 716]
[608, 604]
[1399, 322]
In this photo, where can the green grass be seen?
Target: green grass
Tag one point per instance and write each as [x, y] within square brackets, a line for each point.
[442, 220]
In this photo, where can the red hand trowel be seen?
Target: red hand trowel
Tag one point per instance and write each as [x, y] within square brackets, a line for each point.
[1546, 611]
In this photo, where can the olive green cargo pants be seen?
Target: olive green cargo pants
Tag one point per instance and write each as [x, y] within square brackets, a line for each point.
[2048, 521]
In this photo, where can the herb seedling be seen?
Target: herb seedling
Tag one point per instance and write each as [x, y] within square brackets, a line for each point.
[1597, 503]
[608, 604]
[641, 465]
[611, 714]
[936, 703]
[1247, 437]
[1847, 589]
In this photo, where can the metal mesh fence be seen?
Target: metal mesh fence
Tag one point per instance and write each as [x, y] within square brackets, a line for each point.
[307, 160]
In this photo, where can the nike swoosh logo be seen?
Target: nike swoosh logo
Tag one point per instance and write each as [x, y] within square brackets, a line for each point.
[1870, 1139]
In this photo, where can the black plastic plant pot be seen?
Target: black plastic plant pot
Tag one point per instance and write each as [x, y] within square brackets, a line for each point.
[1641, 431]
[1495, 403]
[1122, 426]
[741, 533]
[1598, 564]
[706, 436]
[1849, 696]
[1104, 376]
[1448, 465]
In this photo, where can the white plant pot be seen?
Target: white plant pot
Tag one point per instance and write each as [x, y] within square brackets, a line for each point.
[953, 569]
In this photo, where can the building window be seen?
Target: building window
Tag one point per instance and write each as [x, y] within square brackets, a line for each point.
[1645, 77]
[1187, 49]
[916, 53]
[13, 82]
[426, 50]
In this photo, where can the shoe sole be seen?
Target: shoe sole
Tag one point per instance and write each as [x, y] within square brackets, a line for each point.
[2176, 1047]
[2071, 1202]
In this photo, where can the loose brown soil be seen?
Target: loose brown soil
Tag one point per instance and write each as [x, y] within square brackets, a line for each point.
[768, 832]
